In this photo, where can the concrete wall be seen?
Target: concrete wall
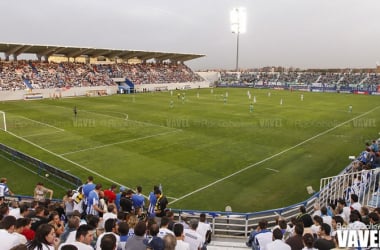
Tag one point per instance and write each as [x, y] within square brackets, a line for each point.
[50, 93]
[110, 90]
[172, 86]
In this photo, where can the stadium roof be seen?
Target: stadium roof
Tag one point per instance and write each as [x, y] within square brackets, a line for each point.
[11, 49]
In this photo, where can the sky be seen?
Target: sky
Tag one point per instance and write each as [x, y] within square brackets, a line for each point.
[290, 33]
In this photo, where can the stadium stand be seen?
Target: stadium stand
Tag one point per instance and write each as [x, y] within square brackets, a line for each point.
[39, 75]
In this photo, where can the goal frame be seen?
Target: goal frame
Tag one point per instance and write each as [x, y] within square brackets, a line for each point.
[2, 113]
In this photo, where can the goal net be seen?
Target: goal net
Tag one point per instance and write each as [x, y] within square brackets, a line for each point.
[3, 121]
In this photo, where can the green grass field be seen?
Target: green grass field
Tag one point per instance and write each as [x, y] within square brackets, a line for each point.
[206, 153]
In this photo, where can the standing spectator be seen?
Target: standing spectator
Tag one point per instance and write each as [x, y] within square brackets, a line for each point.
[118, 196]
[4, 190]
[87, 188]
[7, 238]
[152, 202]
[45, 239]
[40, 192]
[126, 204]
[138, 199]
[110, 195]
[204, 229]
[161, 205]
[93, 201]
[110, 214]
[304, 217]
[68, 203]
[78, 200]
[192, 237]
[178, 232]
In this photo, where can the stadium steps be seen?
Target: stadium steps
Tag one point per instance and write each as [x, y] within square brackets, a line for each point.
[27, 83]
[219, 243]
[129, 83]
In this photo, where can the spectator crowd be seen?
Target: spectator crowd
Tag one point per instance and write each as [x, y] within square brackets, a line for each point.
[93, 218]
[16, 75]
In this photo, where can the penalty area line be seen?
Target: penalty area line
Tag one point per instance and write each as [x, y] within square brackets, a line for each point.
[68, 160]
[274, 170]
[274, 156]
[120, 142]
[42, 123]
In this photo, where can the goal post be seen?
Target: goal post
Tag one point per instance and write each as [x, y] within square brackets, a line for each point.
[3, 121]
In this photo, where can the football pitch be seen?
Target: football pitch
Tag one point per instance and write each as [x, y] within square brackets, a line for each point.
[208, 148]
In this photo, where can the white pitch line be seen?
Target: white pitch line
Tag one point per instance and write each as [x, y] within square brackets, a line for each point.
[68, 160]
[45, 124]
[39, 134]
[273, 156]
[120, 142]
[139, 122]
[274, 170]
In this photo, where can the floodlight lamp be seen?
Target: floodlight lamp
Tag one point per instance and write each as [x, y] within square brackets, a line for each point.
[238, 19]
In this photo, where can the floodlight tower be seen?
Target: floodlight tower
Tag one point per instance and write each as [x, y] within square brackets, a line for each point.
[238, 19]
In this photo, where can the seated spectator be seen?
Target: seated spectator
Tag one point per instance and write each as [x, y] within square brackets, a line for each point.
[20, 225]
[55, 221]
[123, 232]
[374, 221]
[7, 228]
[164, 227]
[355, 222]
[108, 242]
[153, 241]
[259, 237]
[136, 241]
[110, 227]
[83, 238]
[69, 234]
[44, 239]
[296, 241]
[170, 242]
[324, 241]
[39, 218]
[308, 241]
[277, 243]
